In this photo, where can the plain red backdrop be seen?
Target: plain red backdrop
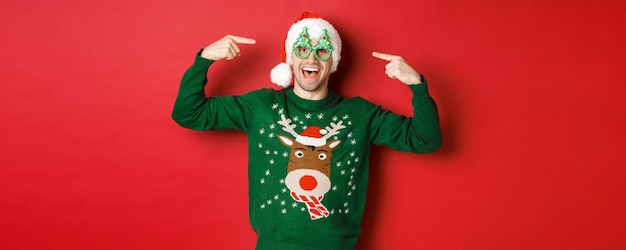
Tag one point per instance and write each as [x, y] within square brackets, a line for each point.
[531, 98]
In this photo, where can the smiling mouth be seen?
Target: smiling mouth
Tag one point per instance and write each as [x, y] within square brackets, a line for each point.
[310, 73]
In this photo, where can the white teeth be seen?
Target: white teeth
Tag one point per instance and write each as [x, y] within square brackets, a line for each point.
[310, 69]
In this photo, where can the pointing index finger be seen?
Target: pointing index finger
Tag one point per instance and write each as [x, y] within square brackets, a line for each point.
[383, 56]
[243, 40]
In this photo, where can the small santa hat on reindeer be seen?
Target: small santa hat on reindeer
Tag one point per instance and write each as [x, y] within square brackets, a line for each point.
[312, 136]
[316, 27]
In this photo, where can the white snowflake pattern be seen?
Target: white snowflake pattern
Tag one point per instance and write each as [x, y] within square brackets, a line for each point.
[353, 141]
[320, 116]
[262, 181]
[281, 111]
[267, 172]
[271, 135]
[260, 145]
[263, 206]
[335, 188]
[283, 211]
[345, 204]
[272, 126]
[350, 193]
[261, 131]
[343, 172]
[332, 211]
[283, 202]
[346, 211]
[339, 164]
[282, 181]
[349, 135]
[352, 170]
[346, 117]
[308, 116]
[335, 118]
[276, 197]
[356, 160]
[267, 152]
[271, 161]
[285, 154]
[352, 154]
[269, 202]
[296, 118]
[294, 205]
[275, 106]
[284, 190]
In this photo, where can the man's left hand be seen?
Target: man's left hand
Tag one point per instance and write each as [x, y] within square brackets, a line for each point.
[397, 68]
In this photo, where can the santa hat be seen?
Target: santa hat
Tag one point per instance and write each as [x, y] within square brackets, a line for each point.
[312, 136]
[281, 74]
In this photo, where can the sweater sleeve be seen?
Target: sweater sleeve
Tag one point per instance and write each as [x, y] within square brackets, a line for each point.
[194, 110]
[419, 134]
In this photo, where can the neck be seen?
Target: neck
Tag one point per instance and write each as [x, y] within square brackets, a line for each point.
[311, 90]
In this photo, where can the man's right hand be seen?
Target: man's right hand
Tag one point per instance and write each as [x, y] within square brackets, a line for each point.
[225, 48]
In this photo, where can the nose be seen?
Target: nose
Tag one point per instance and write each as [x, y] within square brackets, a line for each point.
[311, 57]
[308, 182]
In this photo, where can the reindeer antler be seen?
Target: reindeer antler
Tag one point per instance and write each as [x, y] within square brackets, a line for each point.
[334, 130]
[287, 126]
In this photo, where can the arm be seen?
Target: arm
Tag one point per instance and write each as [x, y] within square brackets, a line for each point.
[192, 108]
[420, 134]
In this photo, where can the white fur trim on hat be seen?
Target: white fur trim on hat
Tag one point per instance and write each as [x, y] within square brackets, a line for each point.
[311, 141]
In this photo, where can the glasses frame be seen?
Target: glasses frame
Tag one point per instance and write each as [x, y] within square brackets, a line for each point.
[322, 43]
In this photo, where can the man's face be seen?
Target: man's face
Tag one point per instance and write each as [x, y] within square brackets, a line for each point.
[310, 73]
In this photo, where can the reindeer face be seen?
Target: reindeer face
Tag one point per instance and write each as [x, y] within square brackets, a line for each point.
[308, 171]
[309, 157]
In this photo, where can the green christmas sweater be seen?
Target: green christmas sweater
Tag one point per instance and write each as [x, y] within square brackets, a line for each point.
[308, 160]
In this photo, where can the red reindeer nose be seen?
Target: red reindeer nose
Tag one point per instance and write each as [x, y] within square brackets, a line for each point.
[308, 182]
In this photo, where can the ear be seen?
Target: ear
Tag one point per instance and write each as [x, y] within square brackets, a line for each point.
[333, 144]
[285, 140]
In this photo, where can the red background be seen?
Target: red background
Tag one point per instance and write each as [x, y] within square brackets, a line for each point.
[531, 97]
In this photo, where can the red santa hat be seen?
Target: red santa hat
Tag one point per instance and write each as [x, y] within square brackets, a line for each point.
[312, 136]
[282, 74]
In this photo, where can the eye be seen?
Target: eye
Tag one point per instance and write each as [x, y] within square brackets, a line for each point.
[302, 51]
[299, 154]
[322, 156]
[322, 54]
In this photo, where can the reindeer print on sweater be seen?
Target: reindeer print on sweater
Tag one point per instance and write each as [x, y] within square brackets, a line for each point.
[304, 165]
[308, 171]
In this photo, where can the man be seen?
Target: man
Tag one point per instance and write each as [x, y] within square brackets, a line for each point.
[308, 146]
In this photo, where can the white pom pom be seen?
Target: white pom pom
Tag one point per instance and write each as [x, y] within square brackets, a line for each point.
[281, 75]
